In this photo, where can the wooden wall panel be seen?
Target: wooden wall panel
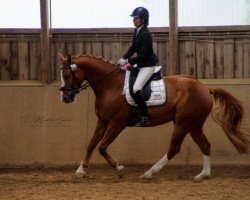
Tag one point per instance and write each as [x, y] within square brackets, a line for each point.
[5, 63]
[219, 60]
[190, 58]
[155, 48]
[14, 61]
[238, 52]
[182, 57]
[97, 48]
[124, 47]
[246, 66]
[87, 48]
[23, 61]
[59, 47]
[200, 59]
[228, 58]
[53, 61]
[162, 56]
[69, 48]
[201, 56]
[166, 61]
[35, 62]
[78, 48]
[116, 51]
[106, 53]
[209, 60]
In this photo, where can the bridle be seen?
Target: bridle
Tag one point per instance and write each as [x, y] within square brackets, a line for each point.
[76, 84]
[78, 87]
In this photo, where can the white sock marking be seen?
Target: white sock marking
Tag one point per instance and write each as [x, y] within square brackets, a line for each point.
[80, 170]
[157, 167]
[206, 169]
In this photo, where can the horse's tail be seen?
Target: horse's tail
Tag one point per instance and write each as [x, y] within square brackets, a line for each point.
[228, 112]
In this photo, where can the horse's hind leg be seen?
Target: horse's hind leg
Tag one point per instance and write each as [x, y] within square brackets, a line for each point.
[98, 135]
[201, 140]
[178, 136]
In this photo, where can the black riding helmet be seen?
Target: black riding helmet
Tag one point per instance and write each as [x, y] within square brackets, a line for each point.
[142, 13]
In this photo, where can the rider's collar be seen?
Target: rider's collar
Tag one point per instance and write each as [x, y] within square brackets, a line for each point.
[138, 29]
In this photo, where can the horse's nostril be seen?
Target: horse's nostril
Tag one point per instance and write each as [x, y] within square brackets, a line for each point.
[65, 99]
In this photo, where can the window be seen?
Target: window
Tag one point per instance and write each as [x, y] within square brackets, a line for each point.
[115, 13]
[20, 14]
[213, 12]
[105, 14]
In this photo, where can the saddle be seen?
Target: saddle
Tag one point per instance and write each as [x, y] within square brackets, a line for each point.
[154, 90]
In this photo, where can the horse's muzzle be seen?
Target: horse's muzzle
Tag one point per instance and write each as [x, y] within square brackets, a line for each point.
[68, 97]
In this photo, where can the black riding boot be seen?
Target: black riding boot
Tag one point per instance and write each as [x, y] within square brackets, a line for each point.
[140, 101]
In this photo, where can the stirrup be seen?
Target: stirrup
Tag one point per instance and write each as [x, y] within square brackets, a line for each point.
[145, 120]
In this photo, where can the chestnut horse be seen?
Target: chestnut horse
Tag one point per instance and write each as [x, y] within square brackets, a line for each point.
[188, 106]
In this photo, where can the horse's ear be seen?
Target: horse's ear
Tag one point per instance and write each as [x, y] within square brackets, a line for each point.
[69, 59]
[61, 57]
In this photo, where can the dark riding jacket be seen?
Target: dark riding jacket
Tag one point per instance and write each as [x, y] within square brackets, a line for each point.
[142, 45]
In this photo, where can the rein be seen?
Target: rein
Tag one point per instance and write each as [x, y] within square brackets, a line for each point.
[86, 85]
[78, 88]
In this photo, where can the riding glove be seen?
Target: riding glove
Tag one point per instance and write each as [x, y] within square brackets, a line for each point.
[122, 61]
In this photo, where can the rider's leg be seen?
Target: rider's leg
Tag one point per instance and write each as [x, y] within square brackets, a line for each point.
[142, 78]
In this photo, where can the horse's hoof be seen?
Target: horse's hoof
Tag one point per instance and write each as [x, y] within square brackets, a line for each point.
[80, 175]
[201, 176]
[120, 170]
[198, 178]
[146, 176]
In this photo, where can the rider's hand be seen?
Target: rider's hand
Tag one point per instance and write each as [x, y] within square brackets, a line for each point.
[122, 61]
[125, 67]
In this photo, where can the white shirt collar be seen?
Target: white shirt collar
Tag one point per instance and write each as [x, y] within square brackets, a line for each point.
[138, 29]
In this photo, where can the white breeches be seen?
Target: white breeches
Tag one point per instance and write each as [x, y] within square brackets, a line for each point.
[142, 78]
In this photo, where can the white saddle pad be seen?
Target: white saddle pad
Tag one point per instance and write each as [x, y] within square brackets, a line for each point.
[158, 94]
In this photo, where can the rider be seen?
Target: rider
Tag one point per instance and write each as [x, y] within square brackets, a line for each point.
[145, 59]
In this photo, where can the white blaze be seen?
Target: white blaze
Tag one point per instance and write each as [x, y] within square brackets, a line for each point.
[62, 84]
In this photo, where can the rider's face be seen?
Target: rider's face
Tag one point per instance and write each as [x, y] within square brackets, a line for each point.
[137, 21]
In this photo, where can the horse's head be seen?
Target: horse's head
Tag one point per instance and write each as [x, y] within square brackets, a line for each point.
[72, 78]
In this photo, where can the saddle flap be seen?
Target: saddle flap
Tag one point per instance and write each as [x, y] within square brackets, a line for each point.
[154, 90]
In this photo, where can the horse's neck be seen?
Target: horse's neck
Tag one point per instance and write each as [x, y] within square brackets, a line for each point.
[99, 74]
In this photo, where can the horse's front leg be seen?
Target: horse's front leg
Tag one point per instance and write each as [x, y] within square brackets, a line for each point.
[113, 130]
[98, 135]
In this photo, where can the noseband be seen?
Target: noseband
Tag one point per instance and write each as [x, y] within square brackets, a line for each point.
[76, 86]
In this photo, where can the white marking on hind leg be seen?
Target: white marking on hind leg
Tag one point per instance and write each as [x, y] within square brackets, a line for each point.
[156, 168]
[206, 169]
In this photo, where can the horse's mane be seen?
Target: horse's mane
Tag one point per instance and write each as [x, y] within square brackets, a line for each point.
[94, 57]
